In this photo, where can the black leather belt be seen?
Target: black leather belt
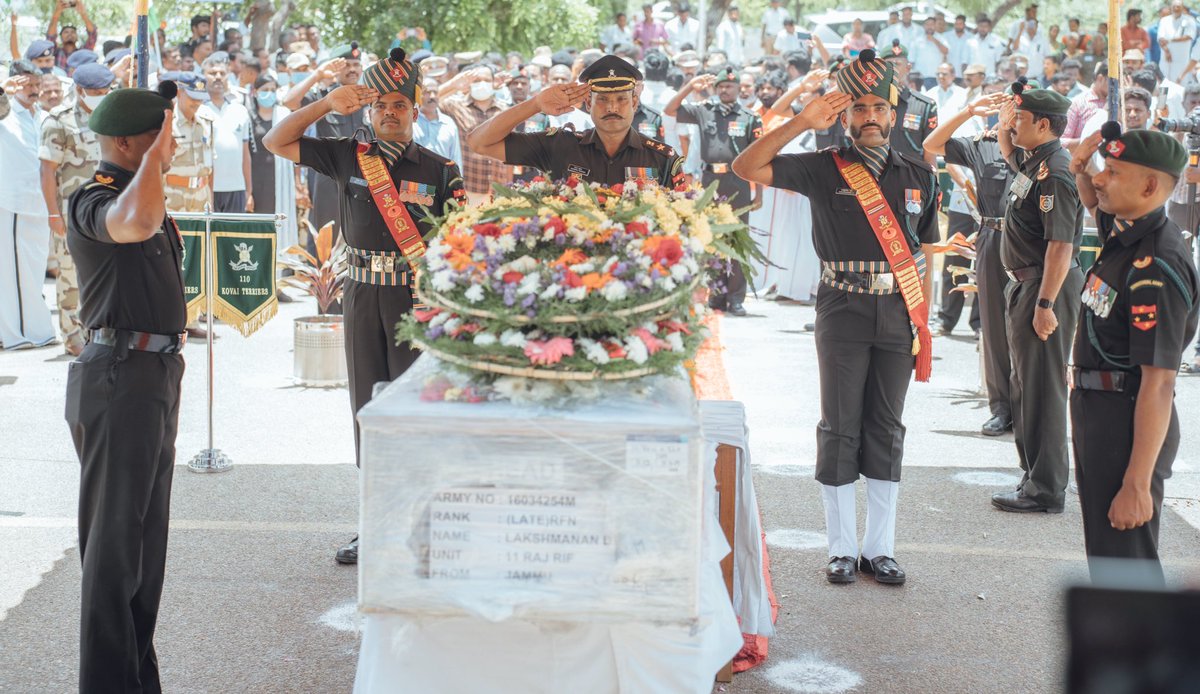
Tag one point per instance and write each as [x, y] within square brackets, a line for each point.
[1092, 379]
[142, 342]
[1033, 272]
[996, 223]
[719, 167]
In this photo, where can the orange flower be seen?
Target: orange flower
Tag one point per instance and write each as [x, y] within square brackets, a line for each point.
[458, 260]
[461, 242]
[594, 280]
[603, 235]
[571, 256]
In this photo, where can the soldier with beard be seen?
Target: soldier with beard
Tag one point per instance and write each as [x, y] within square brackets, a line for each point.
[874, 218]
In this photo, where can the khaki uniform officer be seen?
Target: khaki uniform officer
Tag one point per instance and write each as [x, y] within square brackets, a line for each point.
[189, 182]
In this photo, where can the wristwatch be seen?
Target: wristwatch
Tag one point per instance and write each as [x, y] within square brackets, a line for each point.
[1045, 303]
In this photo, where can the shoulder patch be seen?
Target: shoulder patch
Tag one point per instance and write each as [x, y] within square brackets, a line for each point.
[1143, 263]
[1046, 203]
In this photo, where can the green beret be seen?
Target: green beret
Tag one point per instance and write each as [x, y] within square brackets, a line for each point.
[726, 73]
[894, 51]
[349, 51]
[868, 75]
[1045, 102]
[1149, 148]
[128, 112]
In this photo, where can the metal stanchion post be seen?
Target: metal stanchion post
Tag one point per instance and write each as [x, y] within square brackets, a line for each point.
[209, 459]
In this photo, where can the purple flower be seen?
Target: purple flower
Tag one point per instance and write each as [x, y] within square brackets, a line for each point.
[510, 294]
[435, 332]
[527, 302]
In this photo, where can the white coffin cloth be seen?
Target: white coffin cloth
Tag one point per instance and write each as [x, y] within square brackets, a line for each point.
[724, 421]
[464, 654]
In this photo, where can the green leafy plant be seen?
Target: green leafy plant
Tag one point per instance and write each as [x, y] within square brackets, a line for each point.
[323, 276]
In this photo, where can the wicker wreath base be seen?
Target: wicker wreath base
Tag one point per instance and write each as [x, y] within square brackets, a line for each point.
[529, 371]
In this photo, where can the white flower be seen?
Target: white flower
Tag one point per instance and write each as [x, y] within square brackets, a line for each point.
[508, 243]
[680, 272]
[615, 291]
[453, 324]
[439, 319]
[672, 339]
[530, 284]
[635, 350]
[550, 292]
[474, 293]
[443, 280]
[575, 294]
[582, 268]
[513, 338]
[531, 241]
[524, 264]
[485, 339]
[667, 283]
[593, 350]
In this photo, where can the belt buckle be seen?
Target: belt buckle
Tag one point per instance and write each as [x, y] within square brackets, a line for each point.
[1011, 275]
[389, 263]
[883, 281]
[720, 168]
[376, 263]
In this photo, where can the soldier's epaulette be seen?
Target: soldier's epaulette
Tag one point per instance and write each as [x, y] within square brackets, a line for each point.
[922, 97]
[97, 184]
[59, 110]
[658, 146]
[830, 148]
[913, 159]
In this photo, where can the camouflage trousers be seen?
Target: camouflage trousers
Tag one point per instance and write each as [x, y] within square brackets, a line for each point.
[67, 286]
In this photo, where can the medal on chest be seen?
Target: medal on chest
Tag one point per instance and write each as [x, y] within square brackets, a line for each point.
[1021, 185]
[534, 126]
[912, 200]
[1099, 296]
[912, 121]
[647, 129]
[641, 173]
[737, 128]
[413, 192]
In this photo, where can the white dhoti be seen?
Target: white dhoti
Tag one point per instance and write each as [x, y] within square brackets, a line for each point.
[841, 520]
[24, 250]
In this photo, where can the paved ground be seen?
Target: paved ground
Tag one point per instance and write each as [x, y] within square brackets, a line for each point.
[253, 601]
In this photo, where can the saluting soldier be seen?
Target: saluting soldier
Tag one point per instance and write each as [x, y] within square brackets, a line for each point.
[123, 390]
[189, 182]
[1140, 303]
[1043, 226]
[70, 152]
[916, 114]
[874, 218]
[383, 183]
[610, 153]
[726, 129]
[981, 154]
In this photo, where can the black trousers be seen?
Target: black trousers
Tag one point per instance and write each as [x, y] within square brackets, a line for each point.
[1038, 388]
[123, 412]
[230, 201]
[991, 280]
[864, 355]
[738, 189]
[372, 355]
[952, 302]
[1102, 428]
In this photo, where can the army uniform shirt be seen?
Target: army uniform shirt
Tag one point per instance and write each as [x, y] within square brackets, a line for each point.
[421, 176]
[1140, 297]
[649, 123]
[726, 130]
[916, 117]
[125, 286]
[539, 123]
[840, 227]
[562, 153]
[1043, 206]
[992, 174]
[194, 160]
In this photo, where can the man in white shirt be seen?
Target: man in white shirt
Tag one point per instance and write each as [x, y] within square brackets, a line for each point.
[683, 29]
[438, 132]
[24, 227]
[926, 53]
[772, 24]
[1032, 43]
[232, 131]
[958, 41]
[787, 40]
[1176, 32]
[951, 98]
[617, 33]
[986, 47]
[1018, 26]
[731, 37]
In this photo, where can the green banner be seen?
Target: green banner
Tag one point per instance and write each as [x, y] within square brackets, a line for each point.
[243, 255]
[193, 272]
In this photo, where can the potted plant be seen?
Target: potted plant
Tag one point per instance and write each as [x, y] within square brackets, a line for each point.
[320, 340]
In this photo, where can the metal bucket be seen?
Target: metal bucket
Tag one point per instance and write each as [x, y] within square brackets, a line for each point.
[320, 351]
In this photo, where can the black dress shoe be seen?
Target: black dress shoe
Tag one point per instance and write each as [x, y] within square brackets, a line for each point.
[717, 303]
[737, 310]
[349, 553]
[884, 569]
[840, 570]
[996, 426]
[1017, 502]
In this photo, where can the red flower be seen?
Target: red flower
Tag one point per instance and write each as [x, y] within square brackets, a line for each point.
[425, 315]
[619, 188]
[572, 280]
[615, 349]
[557, 225]
[638, 228]
[572, 180]
[663, 249]
[550, 351]
[653, 344]
[538, 179]
[601, 199]
[671, 326]
[490, 229]
[513, 277]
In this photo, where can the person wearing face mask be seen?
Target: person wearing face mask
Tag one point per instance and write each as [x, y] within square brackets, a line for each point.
[726, 129]
[469, 99]
[69, 153]
[387, 186]
[272, 178]
[24, 234]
